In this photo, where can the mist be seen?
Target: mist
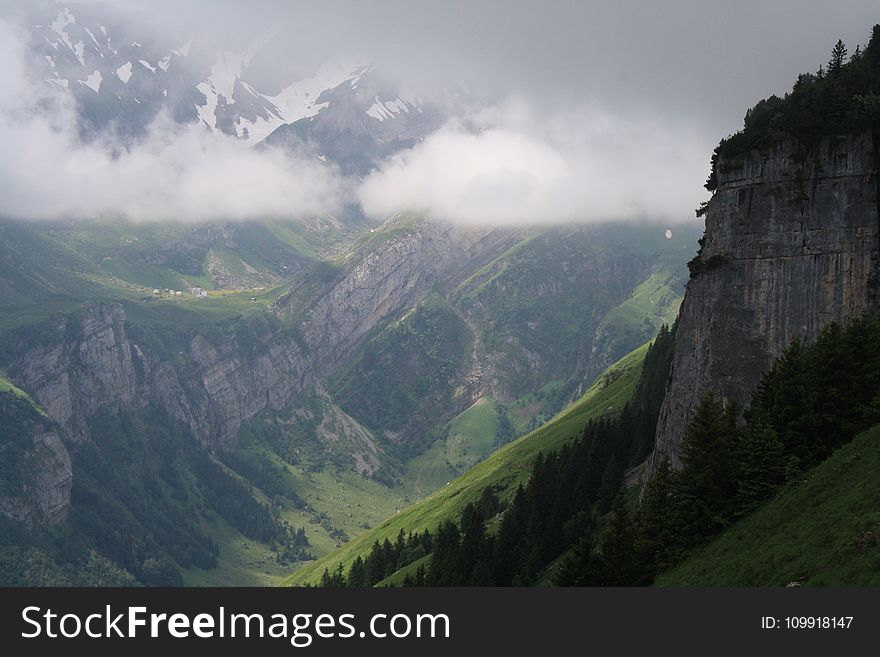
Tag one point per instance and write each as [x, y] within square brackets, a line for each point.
[588, 111]
[513, 164]
[176, 172]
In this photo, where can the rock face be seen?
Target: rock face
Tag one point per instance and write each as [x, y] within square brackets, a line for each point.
[53, 478]
[92, 363]
[792, 243]
[44, 496]
[37, 473]
[389, 274]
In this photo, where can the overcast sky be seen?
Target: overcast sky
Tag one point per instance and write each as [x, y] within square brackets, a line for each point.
[600, 108]
[706, 59]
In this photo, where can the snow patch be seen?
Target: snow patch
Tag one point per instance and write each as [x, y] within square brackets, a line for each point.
[207, 112]
[299, 100]
[62, 20]
[59, 26]
[80, 51]
[89, 32]
[183, 51]
[124, 72]
[388, 109]
[221, 82]
[93, 82]
[225, 72]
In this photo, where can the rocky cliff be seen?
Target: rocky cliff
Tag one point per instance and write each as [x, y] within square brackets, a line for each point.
[94, 361]
[36, 475]
[391, 272]
[89, 362]
[791, 244]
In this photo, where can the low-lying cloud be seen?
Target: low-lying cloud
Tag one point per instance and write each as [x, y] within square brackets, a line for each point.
[175, 172]
[513, 165]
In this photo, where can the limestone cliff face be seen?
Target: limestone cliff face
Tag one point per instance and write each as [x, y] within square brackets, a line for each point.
[791, 244]
[92, 363]
[37, 474]
[379, 281]
[43, 496]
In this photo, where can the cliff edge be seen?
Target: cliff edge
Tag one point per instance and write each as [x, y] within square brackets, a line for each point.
[792, 244]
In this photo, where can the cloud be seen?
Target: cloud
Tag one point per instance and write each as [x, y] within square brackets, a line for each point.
[619, 106]
[176, 172]
[512, 164]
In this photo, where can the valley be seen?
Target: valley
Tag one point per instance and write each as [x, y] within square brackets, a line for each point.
[334, 408]
[281, 307]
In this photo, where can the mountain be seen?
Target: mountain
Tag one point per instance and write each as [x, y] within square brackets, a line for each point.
[122, 81]
[316, 381]
[361, 122]
[753, 402]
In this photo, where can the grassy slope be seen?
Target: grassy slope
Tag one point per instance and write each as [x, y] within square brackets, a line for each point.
[471, 438]
[505, 469]
[8, 387]
[653, 303]
[820, 531]
[57, 267]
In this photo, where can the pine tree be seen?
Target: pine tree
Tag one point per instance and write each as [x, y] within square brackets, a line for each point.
[577, 568]
[708, 481]
[357, 575]
[469, 551]
[337, 579]
[655, 523]
[838, 58]
[421, 577]
[761, 464]
[374, 566]
[872, 50]
[616, 564]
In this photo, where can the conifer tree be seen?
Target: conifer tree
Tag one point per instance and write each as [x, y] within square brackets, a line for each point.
[577, 568]
[761, 464]
[616, 563]
[838, 58]
[708, 480]
[357, 573]
[655, 522]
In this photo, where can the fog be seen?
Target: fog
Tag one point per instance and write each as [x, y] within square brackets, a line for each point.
[589, 110]
[514, 165]
[176, 172]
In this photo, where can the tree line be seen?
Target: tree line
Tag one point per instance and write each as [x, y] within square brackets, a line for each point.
[840, 98]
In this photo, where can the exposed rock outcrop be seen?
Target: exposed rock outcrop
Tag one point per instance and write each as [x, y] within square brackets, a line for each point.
[92, 363]
[37, 474]
[791, 244]
[389, 274]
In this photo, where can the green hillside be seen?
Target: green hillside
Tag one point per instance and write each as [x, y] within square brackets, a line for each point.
[503, 471]
[820, 530]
